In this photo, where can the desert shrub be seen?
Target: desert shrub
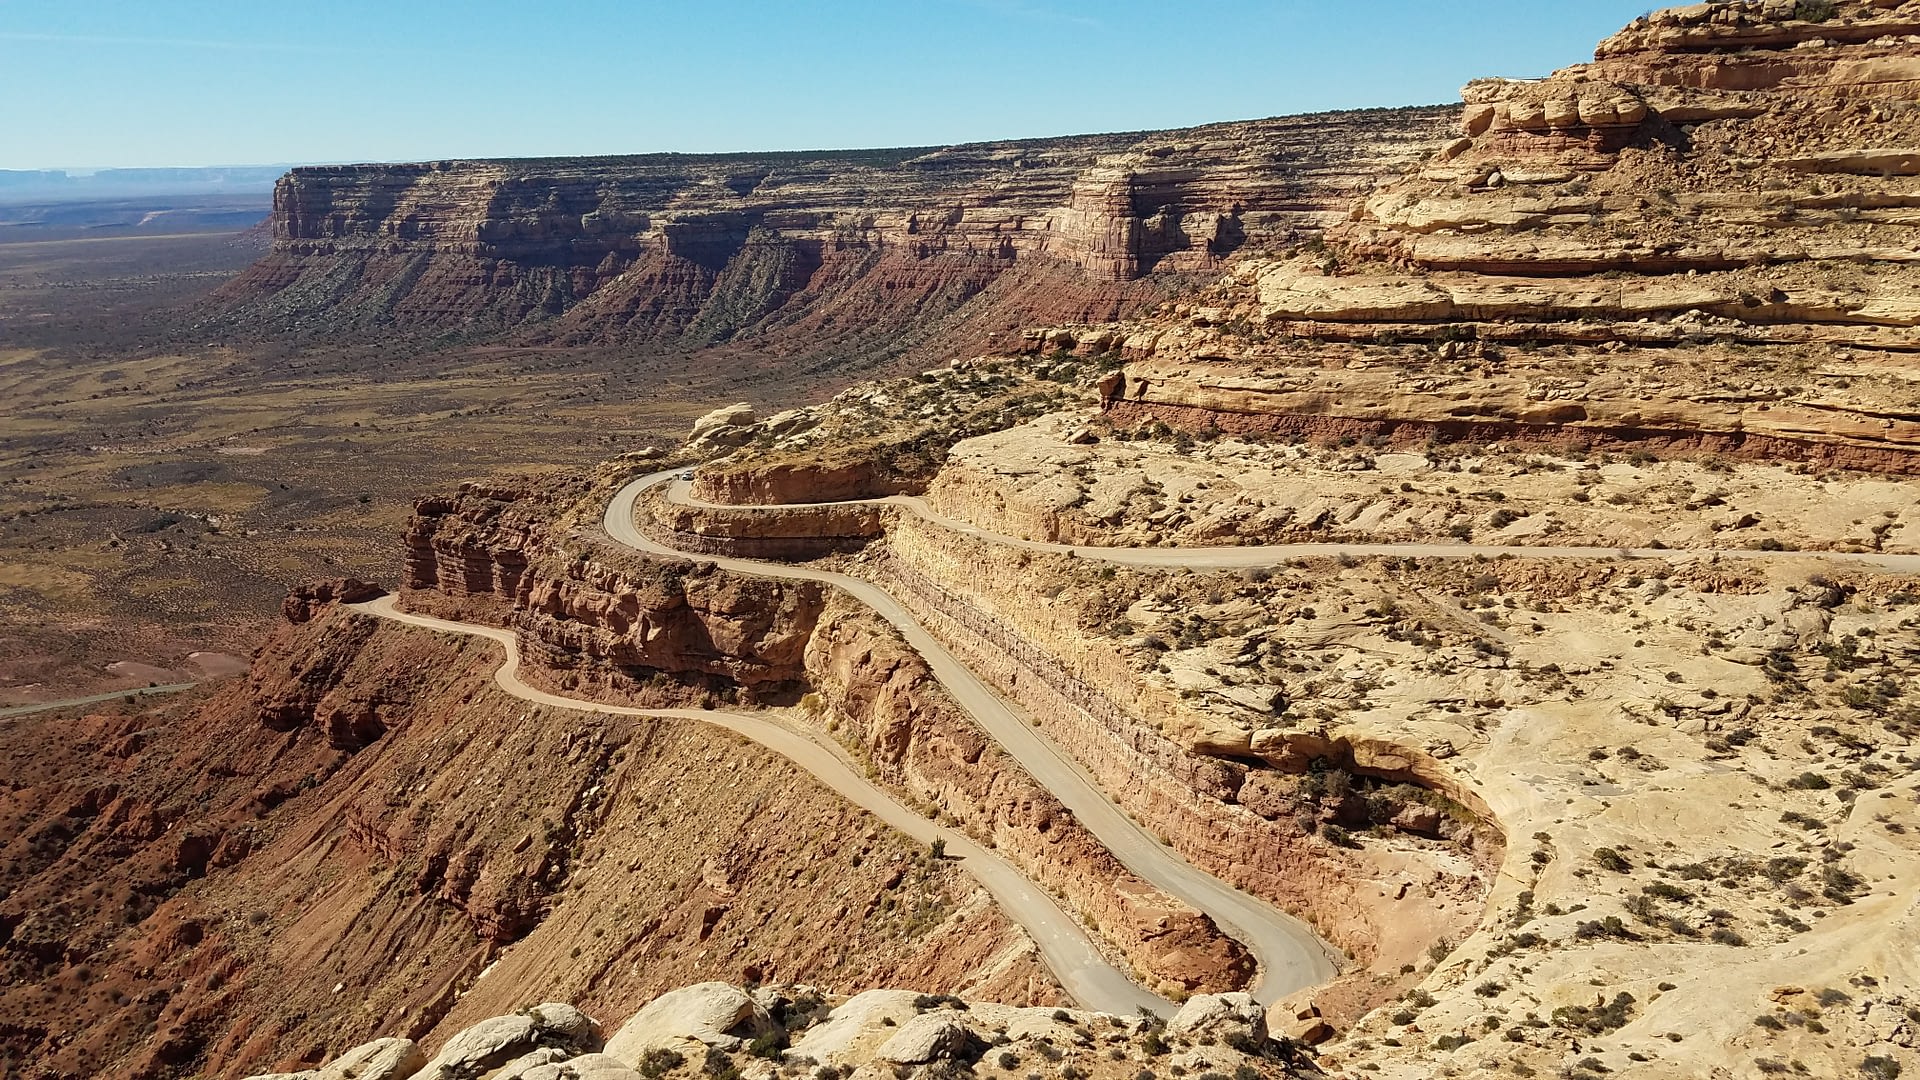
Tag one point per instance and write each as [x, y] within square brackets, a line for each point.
[1880, 1068]
[660, 1061]
[1612, 860]
[1600, 1017]
[1814, 11]
[1609, 927]
[719, 1065]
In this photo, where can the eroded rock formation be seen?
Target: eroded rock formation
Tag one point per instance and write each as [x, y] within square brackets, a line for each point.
[1708, 239]
[223, 885]
[810, 248]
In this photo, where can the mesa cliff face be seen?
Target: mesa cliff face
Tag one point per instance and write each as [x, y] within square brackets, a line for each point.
[1707, 239]
[695, 250]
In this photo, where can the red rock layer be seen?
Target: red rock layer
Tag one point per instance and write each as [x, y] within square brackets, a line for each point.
[221, 886]
[603, 623]
[882, 699]
[822, 250]
[589, 614]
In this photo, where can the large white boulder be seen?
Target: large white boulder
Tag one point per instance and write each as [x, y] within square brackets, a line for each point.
[381, 1059]
[927, 1037]
[1218, 1014]
[585, 1067]
[710, 1014]
[480, 1047]
[854, 1025]
[729, 416]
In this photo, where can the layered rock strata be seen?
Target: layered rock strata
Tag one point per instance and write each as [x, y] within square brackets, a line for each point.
[881, 698]
[811, 247]
[590, 615]
[1708, 239]
[222, 884]
[1199, 785]
[804, 533]
[595, 619]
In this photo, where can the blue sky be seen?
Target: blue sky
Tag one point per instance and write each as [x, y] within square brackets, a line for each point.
[163, 82]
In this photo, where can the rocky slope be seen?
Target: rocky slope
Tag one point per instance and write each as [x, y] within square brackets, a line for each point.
[349, 843]
[595, 618]
[719, 1030]
[824, 252]
[1705, 240]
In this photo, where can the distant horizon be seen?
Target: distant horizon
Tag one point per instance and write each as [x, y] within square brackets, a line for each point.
[167, 84]
[89, 170]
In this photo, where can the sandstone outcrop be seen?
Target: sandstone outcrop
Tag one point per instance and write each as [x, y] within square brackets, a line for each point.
[690, 1018]
[586, 611]
[1726, 194]
[833, 251]
[881, 697]
[801, 1028]
[303, 602]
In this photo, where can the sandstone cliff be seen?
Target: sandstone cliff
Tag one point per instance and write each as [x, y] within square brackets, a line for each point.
[1707, 239]
[596, 619]
[822, 250]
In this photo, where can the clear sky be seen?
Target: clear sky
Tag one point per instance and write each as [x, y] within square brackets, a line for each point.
[172, 82]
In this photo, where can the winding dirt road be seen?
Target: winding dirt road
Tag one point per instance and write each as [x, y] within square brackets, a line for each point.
[1083, 972]
[94, 699]
[1290, 955]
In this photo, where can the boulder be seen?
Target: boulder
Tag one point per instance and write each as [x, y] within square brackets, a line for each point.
[1218, 1015]
[860, 1015]
[520, 1067]
[710, 1014]
[585, 1067]
[1297, 1017]
[381, 1059]
[480, 1048]
[564, 1021]
[730, 425]
[1419, 819]
[927, 1037]
[735, 415]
